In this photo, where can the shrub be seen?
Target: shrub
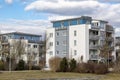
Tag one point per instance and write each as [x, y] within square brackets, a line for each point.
[90, 66]
[1, 65]
[82, 68]
[55, 63]
[64, 65]
[20, 65]
[72, 65]
[35, 67]
[100, 69]
[85, 67]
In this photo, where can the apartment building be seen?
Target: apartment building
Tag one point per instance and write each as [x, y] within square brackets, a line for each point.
[79, 38]
[17, 42]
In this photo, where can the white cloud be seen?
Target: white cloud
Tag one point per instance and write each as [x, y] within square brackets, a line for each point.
[28, 26]
[9, 1]
[98, 9]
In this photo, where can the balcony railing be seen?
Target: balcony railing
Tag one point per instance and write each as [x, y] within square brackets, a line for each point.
[95, 27]
[94, 57]
[93, 46]
[110, 38]
[93, 37]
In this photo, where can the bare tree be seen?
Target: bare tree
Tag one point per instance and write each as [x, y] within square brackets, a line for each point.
[105, 52]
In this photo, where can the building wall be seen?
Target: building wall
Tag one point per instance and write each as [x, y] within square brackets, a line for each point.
[50, 44]
[81, 48]
[62, 42]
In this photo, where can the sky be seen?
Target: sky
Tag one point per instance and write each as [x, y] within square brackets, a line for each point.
[34, 16]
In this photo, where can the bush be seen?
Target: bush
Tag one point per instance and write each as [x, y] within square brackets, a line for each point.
[72, 65]
[100, 69]
[92, 67]
[20, 65]
[1, 65]
[35, 67]
[64, 65]
[82, 68]
[55, 63]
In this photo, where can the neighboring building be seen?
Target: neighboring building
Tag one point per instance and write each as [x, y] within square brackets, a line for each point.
[78, 38]
[117, 47]
[17, 42]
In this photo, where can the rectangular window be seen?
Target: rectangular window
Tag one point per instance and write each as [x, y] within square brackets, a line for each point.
[29, 45]
[34, 46]
[82, 21]
[57, 34]
[75, 42]
[56, 24]
[57, 43]
[57, 52]
[51, 34]
[66, 23]
[75, 52]
[64, 34]
[51, 43]
[75, 33]
[73, 22]
[64, 43]
[51, 52]
[64, 52]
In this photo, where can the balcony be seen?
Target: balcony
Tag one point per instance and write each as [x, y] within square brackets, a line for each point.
[95, 28]
[94, 57]
[109, 38]
[94, 37]
[93, 46]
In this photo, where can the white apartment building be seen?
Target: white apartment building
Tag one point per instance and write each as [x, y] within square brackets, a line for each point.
[78, 38]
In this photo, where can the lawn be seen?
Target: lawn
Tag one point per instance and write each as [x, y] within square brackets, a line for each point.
[22, 75]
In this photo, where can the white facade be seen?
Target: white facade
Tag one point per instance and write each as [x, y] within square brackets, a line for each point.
[78, 40]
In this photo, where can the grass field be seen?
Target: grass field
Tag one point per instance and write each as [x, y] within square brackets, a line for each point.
[22, 75]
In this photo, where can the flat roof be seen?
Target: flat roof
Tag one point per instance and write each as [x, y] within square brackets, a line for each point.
[71, 18]
[22, 34]
[78, 18]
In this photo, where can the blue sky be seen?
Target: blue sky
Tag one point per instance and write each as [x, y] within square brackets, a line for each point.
[34, 16]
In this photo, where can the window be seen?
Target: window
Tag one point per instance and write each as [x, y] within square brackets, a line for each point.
[21, 37]
[29, 45]
[64, 43]
[57, 43]
[73, 22]
[75, 52]
[75, 33]
[75, 42]
[51, 43]
[57, 52]
[64, 52]
[64, 34]
[66, 23]
[51, 34]
[57, 34]
[51, 52]
[34, 46]
[56, 24]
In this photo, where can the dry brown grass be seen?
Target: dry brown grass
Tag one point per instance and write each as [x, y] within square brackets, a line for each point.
[22, 75]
